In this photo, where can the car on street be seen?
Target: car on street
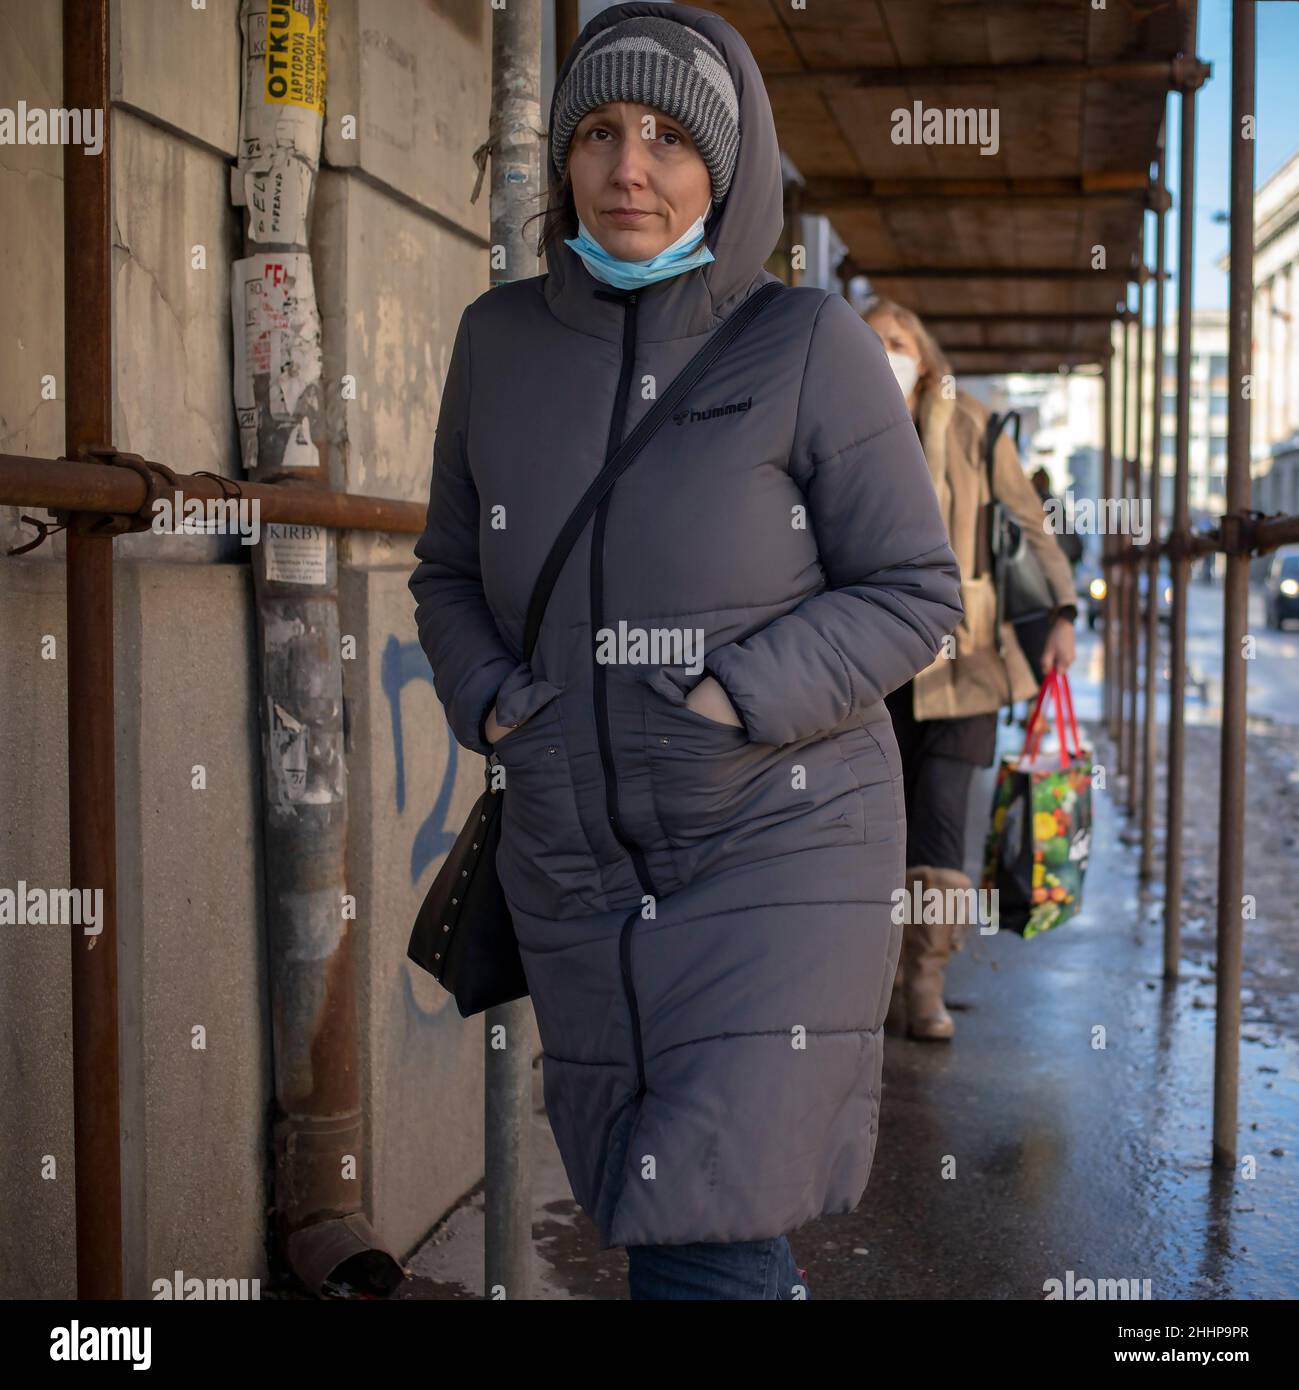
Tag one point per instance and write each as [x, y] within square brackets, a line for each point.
[1281, 587]
[1092, 582]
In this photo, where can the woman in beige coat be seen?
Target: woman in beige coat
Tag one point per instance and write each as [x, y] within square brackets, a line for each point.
[946, 718]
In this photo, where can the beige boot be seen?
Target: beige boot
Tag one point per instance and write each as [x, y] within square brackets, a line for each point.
[926, 946]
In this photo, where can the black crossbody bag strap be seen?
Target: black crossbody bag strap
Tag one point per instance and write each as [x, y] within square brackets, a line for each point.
[995, 532]
[626, 453]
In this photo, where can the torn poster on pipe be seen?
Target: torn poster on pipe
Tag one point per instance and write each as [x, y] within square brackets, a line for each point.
[277, 358]
[281, 116]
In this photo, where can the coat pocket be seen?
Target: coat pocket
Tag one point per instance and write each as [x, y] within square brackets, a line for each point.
[520, 697]
[702, 770]
[875, 764]
[713, 785]
[544, 860]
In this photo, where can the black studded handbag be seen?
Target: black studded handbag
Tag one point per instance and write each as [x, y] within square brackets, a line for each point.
[464, 936]
[1023, 593]
[480, 964]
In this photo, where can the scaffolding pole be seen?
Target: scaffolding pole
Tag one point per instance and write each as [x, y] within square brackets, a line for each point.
[1235, 595]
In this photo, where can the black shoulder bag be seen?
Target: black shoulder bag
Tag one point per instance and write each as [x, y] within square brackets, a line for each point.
[463, 935]
[1023, 595]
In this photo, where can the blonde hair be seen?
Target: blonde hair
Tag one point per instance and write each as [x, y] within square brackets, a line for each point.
[931, 355]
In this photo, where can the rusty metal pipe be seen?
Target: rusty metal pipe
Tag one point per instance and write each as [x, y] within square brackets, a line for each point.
[1133, 70]
[1107, 568]
[92, 824]
[1116, 596]
[71, 484]
[1235, 598]
[568, 25]
[1180, 563]
[1146, 868]
[1132, 625]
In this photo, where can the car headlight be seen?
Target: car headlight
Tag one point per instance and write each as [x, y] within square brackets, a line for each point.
[1097, 588]
[1290, 587]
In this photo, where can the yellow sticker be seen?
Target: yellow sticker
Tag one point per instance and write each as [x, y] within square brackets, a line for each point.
[295, 53]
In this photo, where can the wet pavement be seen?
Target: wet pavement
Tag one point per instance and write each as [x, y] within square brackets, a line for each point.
[1024, 1149]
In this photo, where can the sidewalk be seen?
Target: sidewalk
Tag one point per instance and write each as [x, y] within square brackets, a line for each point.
[1062, 1155]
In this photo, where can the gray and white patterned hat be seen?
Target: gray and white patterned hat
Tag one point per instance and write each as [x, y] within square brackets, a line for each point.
[661, 63]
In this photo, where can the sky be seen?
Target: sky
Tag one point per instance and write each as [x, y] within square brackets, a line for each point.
[1277, 82]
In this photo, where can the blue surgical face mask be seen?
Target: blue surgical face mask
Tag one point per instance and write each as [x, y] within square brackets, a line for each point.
[681, 256]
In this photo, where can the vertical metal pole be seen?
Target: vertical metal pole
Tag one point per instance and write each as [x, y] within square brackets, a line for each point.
[92, 815]
[1180, 563]
[1146, 869]
[1107, 541]
[567, 27]
[1235, 599]
[1132, 629]
[1116, 598]
[507, 1113]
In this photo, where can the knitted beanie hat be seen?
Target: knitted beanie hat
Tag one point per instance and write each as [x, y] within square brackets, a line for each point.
[659, 63]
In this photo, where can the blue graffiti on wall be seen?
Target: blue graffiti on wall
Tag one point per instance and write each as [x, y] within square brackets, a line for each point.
[402, 663]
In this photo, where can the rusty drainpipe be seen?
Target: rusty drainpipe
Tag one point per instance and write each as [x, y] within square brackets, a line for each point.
[92, 822]
[318, 1130]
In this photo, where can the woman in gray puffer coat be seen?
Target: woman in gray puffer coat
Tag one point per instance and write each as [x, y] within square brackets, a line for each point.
[700, 845]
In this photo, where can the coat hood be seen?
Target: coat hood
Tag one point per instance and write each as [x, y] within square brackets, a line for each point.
[741, 234]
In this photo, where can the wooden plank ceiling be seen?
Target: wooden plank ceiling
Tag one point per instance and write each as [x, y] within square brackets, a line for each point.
[1006, 238]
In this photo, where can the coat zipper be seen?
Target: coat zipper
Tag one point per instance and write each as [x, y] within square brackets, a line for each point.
[628, 300]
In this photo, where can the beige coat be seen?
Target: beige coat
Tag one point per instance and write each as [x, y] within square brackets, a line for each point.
[970, 678]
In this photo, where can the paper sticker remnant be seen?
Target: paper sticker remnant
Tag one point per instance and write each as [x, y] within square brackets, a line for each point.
[295, 554]
[276, 195]
[288, 751]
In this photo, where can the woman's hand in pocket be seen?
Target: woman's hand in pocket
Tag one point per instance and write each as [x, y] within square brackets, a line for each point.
[709, 698]
[496, 732]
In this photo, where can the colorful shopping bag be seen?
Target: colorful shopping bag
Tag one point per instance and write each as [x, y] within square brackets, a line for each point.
[1036, 852]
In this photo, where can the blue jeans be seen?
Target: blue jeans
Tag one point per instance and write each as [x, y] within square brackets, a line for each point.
[736, 1270]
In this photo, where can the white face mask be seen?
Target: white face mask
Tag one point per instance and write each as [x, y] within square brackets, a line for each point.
[906, 369]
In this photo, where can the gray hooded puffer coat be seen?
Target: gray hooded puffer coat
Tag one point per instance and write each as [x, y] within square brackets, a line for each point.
[703, 911]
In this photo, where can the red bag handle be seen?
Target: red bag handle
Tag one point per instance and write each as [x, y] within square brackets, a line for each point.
[1032, 732]
[1057, 682]
[1062, 679]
